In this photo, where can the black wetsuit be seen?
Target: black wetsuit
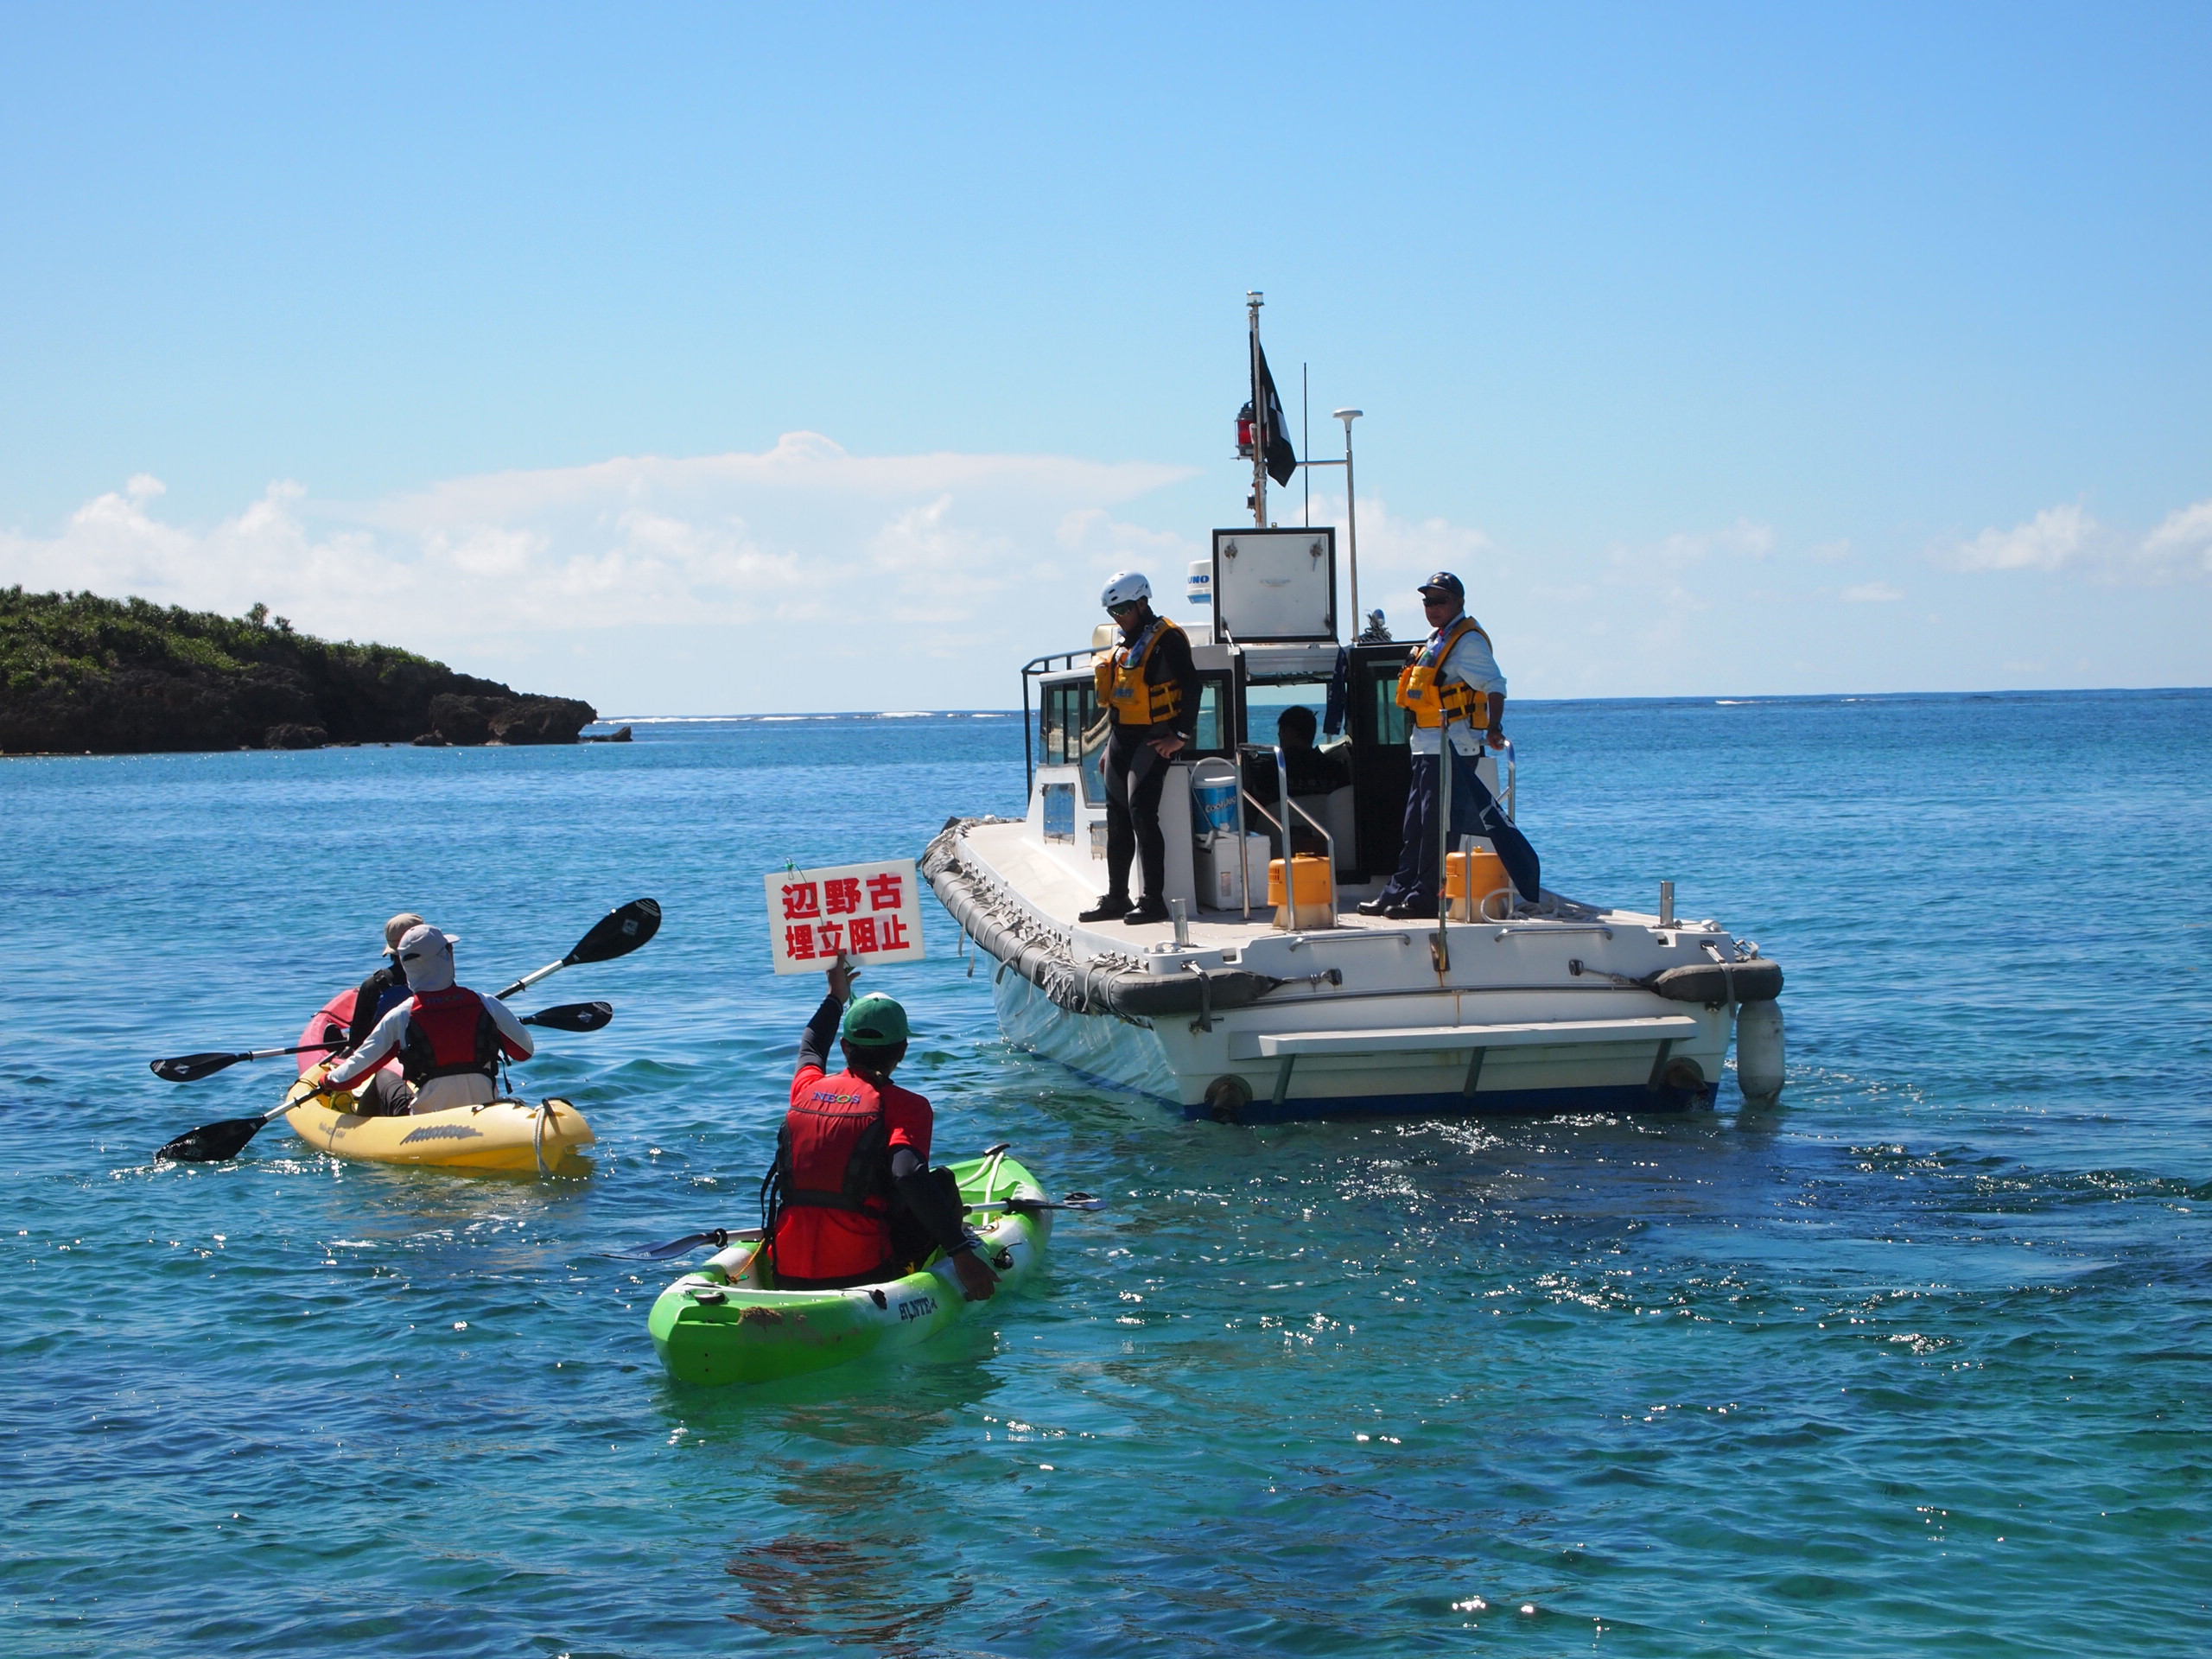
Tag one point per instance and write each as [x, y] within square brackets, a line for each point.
[1136, 773]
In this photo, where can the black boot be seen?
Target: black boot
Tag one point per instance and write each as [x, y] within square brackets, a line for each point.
[1109, 906]
[1148, 910]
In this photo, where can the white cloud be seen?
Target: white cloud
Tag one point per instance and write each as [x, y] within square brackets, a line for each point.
[1686, 547]
[2053, 538]
[804, 578]
[733, 539]
[1397, 553]
[2068, 538]
[2184, 542]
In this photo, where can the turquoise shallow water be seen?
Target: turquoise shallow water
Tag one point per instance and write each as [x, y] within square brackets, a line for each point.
[1918, 1363]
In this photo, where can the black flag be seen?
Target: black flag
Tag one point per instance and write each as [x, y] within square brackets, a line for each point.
[1282, 461]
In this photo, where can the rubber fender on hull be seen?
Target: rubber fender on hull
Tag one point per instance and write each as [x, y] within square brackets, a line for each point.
[1077, 986]
[1715, 983]
[1759, 1069]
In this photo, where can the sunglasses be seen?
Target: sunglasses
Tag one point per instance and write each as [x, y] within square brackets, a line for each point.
[1124, 608]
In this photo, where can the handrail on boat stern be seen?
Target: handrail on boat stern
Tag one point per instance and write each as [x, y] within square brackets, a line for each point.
[1283, 798]
[1037, 668]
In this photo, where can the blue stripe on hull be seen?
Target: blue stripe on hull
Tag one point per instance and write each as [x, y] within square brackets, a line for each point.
[1511, 1103]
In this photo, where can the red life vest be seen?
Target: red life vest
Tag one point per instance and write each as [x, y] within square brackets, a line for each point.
[834, 1156]
[449, 1034]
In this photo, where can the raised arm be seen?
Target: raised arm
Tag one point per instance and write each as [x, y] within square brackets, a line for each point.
[822, 1030]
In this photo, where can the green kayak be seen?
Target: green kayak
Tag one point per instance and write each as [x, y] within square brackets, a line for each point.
[722, 1324]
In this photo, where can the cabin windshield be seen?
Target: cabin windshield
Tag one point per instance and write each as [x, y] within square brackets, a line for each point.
[1265, 700]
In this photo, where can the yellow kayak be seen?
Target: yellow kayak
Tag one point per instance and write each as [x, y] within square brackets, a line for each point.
[510, 1135]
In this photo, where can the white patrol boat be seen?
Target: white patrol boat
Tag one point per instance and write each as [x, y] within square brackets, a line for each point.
[1268, 996]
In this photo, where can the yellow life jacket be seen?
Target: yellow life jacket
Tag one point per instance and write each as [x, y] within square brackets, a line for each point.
[1436, 702]
[1119, 675]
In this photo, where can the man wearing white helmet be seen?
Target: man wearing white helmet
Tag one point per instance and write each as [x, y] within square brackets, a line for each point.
[1150, 690]
[448, 1038]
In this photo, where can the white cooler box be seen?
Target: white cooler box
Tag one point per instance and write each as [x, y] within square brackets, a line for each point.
[1221, 875]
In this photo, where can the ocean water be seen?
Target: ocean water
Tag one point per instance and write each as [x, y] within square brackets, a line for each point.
[1915, 1364]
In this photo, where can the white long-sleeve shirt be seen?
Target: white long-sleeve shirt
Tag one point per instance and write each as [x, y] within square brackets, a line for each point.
[1472, 663]
[438, 1093]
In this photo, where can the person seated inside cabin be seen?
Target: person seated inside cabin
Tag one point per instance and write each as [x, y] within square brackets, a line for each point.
[1312, 772]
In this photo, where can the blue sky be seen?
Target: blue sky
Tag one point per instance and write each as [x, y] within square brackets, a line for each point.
[700, 359]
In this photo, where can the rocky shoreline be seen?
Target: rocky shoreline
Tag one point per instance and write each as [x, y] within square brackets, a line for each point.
[79, 674]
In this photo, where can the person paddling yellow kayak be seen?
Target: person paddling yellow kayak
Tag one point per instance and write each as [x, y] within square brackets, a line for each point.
[449, 1040]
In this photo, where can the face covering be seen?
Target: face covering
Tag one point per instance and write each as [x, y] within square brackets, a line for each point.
[427, 962]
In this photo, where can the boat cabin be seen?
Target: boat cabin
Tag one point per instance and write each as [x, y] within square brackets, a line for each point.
[1261, 619]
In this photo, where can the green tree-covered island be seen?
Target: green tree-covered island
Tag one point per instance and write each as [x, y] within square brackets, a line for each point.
[82, 673]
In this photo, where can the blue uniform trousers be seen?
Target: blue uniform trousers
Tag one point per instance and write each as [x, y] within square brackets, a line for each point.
[1475, 811]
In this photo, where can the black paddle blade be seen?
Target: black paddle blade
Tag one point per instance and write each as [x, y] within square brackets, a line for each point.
[618, 932]
[190, 1068]
[719, 1237]
[574, 1016]
[214, 1142]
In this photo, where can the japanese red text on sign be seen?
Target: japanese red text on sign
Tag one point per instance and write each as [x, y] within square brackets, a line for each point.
[869, 912]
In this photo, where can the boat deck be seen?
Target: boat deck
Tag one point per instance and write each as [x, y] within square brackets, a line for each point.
[1044, 879]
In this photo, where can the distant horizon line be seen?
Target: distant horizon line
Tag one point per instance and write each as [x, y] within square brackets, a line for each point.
[1738, 700]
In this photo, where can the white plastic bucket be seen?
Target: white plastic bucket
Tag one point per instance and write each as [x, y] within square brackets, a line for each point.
[1214, 804]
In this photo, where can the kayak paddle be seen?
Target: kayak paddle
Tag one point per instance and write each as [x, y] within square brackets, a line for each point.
[211, 1143]
[190, 1068]
[720, 1237]
[1023, 1206]
[615, 934]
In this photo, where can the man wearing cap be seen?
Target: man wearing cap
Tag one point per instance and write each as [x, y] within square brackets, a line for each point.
[1452, 684]
[1150, 690]
[852, 1199]
[382, 1095]
[386, 988]
[448, 1038]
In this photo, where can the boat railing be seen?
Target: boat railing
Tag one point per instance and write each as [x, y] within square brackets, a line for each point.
[1245, 798]
[1056, 662]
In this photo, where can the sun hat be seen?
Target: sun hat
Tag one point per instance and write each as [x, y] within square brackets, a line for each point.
[426, 957]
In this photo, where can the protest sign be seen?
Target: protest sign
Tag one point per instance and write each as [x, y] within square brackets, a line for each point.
[871, 913]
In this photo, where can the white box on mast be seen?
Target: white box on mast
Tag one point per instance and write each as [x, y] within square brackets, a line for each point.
[1274, 586]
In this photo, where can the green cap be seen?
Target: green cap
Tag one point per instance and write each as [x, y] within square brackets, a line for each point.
[875, 1021]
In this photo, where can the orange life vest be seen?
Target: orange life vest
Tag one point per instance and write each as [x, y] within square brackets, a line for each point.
[1122, 687]
[1432, 700]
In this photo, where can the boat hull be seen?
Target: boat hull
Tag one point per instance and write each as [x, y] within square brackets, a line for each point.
[1561, 1007]
[1182, 1069]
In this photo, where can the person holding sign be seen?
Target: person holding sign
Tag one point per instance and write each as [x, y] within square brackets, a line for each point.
[1150, 690]
[852, 1199]
[1452, 678]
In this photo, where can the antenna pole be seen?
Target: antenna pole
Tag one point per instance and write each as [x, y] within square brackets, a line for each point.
[1253, 301]
[1351, 523]
[1306, 435]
